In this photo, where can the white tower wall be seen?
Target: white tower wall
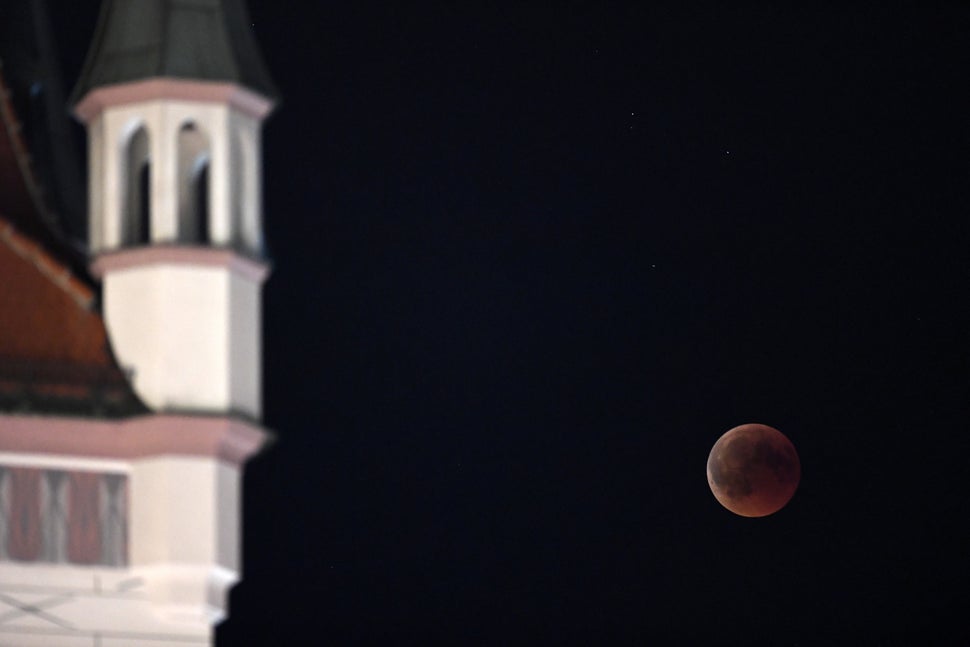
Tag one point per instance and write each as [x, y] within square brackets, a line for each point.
[173, 161]
[187, 324]
[176, 236]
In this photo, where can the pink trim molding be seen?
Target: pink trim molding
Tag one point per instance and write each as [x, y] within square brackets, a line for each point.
[178, 255]
[246, 101]
[227, 439]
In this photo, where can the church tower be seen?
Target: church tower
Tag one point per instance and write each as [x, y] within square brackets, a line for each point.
[120, 474]
[173, 96]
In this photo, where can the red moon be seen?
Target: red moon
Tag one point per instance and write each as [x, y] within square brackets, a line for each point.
[753, 470]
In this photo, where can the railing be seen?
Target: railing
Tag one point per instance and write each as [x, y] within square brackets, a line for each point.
[27, 385]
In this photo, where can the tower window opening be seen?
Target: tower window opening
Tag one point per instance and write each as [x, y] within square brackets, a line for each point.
[142, 233]
[201, 193]
[136, 220]
[246, 193]
[193, 174]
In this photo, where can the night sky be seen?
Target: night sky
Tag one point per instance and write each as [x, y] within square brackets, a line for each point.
[530, 262]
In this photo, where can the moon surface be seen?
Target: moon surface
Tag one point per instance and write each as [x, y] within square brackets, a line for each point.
[753, 470]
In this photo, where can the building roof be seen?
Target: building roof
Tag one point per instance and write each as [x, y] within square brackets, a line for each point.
[23, 200]
[54, 351]
[32, 75]
[207, 40]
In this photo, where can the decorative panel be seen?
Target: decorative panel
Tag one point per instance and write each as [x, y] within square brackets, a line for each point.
[58, 516]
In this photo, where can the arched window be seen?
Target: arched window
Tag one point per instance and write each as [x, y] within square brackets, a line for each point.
[143, 223]
[239, 187]
[193, 174]
[136, 220]
[246, 225]
[201, 190]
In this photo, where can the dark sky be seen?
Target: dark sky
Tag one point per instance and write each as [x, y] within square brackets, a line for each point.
[530, 262]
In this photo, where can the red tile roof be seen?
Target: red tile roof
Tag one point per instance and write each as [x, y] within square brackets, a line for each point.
[22, 200]
[45, 312]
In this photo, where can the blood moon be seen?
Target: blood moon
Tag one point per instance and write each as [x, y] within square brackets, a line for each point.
[753, 470]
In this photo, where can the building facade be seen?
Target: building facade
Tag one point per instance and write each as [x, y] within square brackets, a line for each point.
[130, 381]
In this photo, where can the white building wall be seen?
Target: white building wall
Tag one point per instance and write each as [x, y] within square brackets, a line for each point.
[184, 556]
[245, 347]
[190, 334]
[188, 328]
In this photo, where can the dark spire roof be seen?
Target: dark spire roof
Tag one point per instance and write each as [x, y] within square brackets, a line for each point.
[208, 40]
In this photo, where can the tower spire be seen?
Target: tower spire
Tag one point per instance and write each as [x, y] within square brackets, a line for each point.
[206, 40]
[173, 96]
